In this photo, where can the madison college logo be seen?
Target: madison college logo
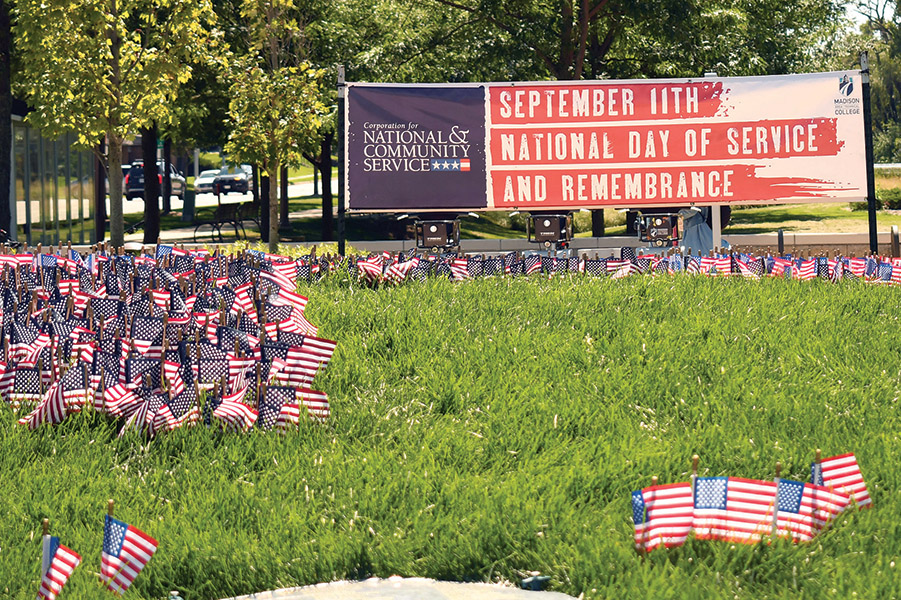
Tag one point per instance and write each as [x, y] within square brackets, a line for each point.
[845, 85]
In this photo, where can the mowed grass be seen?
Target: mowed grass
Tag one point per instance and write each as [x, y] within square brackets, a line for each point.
[488, 429]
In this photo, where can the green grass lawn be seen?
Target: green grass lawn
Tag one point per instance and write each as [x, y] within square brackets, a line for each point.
[484, 430]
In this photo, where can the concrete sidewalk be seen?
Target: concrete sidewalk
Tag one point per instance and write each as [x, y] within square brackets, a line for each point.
[399, 588]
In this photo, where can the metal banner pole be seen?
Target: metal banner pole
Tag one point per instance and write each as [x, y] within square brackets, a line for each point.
[341, 150]
[868, 146]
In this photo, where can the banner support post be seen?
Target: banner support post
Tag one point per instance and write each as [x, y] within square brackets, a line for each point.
[341, 151]
[716, 224]
[868, 147]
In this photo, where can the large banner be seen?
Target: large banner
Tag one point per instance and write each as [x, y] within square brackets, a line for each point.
[565, 146]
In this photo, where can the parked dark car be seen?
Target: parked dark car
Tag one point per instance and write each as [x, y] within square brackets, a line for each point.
[134, 181]
[232, 179]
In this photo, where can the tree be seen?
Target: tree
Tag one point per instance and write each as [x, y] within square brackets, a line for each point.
[6, 127]
[106, 68]
[274, 114]
[275, 107]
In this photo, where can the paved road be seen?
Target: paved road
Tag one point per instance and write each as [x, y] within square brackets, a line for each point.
[136, 206]
[398, 588]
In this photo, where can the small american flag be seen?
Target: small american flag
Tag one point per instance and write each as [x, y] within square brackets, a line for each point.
[842, 473]
[57, 565]
[733, 509]
[596, 267]
[236, 415]
[807, 270]
[271, 405]
[460, 269]
[180, 411]
[531, 264]
[804, 509]
[126, 551]
[662, 515]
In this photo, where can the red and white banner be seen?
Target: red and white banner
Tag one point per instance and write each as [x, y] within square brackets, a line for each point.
[593, 144]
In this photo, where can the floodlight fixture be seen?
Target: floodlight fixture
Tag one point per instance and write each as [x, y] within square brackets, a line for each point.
[438, 234]
[550, 230]
[658, 229]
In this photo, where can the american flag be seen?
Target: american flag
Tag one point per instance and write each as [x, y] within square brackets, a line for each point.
[25, 385]
[370, 268]
[692, 265]
[146, 332]
[271, 404]
[164, 250]
[531, 264]
[733, 509]
[622, 268]
[286, 297]
[121, 400]
[57, 565]
[162, 299]
[662, 515]
[172, 372]
[280, 279]
[180, 411]
[627, 253]
[857, 266]
[842, 473]
[474, 266]
[780, 267]
[744, 269]
[51, 409]
[399, 271]
[596, 267]
[807, 269]
[234, 413]
[492, 266]
[822, 267]
[460, 269]
[75, 387]
[804, 509]
[126, 551]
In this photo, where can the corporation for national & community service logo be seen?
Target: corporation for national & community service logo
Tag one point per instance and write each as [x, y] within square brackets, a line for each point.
[845, 85]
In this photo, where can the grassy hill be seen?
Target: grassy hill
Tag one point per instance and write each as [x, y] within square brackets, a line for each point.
[484, 430]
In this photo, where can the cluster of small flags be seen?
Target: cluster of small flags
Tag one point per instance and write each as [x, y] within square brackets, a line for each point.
[410, 265]
[126, 551]
[735, 509]
[160, 342]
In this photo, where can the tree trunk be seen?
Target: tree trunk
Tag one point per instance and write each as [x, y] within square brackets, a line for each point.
[597, 223]
[99, 194]
[151, 186]
[284, 221]
[167, 176]
[255, 182]
[325, 164]
[114, 158]
[264, 208]
[273, 207]
[6, 127]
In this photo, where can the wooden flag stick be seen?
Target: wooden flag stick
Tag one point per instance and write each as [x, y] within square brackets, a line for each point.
[109, 507]
[45, 527]
[694, 472]
[818, 467]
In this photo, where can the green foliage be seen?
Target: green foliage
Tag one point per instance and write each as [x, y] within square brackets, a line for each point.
[466, 40]
[487, 429]
[274, 114]
[102, 70]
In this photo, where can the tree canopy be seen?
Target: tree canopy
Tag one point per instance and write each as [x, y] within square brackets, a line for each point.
[106, 68]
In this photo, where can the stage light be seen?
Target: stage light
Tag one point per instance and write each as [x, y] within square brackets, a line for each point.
[438, 234]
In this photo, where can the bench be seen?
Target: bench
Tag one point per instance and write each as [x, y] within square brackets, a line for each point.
[225, 216]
